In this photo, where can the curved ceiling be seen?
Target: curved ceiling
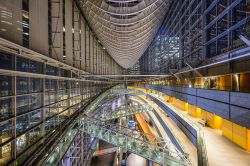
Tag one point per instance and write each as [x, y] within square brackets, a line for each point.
[125, 27]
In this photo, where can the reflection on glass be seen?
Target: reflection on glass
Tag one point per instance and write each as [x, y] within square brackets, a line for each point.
[22, 64]
[5, 108]
[34, 135]
[22, 104]
[5, 61]
[35, 85]
[27, 121]
[22, 85]
[5, 85]
[5, 154]
[6, 129]
[21, 143]
[35, 101]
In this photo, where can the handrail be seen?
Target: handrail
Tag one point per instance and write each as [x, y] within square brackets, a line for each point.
[122, 112]
[43, 159]
[159, 150]
[201, 147]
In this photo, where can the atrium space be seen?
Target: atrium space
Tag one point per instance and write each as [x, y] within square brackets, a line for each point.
[125, 82]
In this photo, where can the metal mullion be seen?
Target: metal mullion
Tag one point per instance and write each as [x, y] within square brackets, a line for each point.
[13, 143]
[43, 109]
[30, 111]
[26, 53]
[26, 94]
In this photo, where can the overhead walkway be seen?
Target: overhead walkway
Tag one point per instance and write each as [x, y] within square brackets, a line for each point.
[193, 131]
[123, 112]
[168, 129]
[159, 150]
[55, 152]
[174, 133]
[134, 141]
[220, 151]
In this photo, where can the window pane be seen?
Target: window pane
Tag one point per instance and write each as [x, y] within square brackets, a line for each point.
[22, 85]
[21, 143]
[6, 130]
[5, 61]
[35, 67]
[27, 121]
[34, 135]
[22, 64]
[51, 124]
[52, 97]
[5, 154]
[22, 123]
[35, 85]
[5, 86]
[35, 101]
[5, 108]
[22, 104]
[50, 70]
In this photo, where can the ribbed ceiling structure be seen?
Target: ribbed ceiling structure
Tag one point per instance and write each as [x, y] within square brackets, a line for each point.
[125, 27]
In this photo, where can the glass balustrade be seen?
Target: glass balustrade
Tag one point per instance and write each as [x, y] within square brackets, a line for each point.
[159, 150]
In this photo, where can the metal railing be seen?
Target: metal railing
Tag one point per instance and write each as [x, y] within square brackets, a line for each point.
[157, 149]
[201, 147]
[61, 148]
[123, 112]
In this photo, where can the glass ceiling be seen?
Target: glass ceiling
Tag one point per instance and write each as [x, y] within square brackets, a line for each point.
[125, 27]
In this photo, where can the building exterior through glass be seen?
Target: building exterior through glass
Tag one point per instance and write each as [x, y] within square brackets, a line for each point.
[115, 82]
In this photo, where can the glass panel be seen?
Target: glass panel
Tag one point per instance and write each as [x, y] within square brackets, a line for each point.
[51, 110]
[51, 70]
[62, 84]
[35, 117]
[63, 105]
[34, 135]
[21, 143]
[5, 154]
[35, 67]
[5, 108]
[5, 86]
[22, 85]
[52, 97]
[46, 98]
[64, 73]
[50, 124]
[35, 101]
[5, 61]
[5, 131]
[35, 85]
[22, 64]
[22, 123]
[27, 121]
[53, 85]
[22, 104]
[47, 85]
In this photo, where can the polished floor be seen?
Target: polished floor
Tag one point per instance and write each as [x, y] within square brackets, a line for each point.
[220, 150]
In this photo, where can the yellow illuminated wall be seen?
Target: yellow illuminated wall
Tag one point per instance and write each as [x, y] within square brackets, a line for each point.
[212, 120]
[236, 133]
[227, 129]
[224, 82]
[180, 104]
[244, 82]
[194, 111]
